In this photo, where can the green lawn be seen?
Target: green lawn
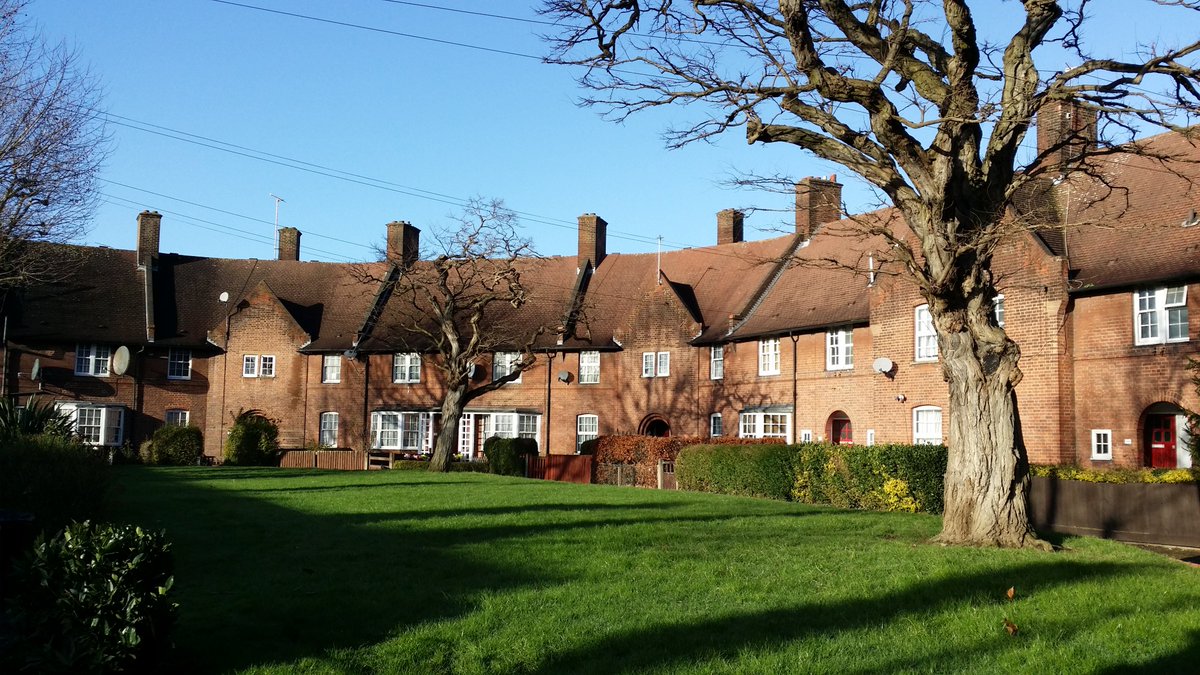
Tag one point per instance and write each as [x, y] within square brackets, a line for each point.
[402, 571]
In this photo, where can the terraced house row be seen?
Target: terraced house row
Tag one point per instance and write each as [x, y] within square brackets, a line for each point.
[810, 335]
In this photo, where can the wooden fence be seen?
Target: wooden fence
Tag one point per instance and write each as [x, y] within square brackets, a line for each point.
[1146, 513]
[564, 468]
[344, 460]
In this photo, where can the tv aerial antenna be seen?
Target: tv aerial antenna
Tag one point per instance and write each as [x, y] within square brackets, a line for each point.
[275, 233]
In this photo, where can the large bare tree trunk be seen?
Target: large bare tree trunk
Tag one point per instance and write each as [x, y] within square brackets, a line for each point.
[987, 476]
[447, 436]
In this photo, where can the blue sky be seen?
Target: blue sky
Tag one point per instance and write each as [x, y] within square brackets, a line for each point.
[426, 125]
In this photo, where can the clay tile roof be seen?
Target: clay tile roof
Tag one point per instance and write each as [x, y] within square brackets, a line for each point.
[100, 299]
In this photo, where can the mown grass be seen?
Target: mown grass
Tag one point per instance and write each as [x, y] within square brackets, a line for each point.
[403, 571]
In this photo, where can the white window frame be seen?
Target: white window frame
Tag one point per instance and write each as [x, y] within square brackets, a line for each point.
[331, 368]
[93, 360]
[648, 364]
[1152, 311]
[176, 417]
[664, 365]
[327, 435]
[765, 425]
[503, 364]
[716, 426]
[923, 436]
[806, 436]
[839, 349]
[589, 367]
[768, 357]
[998, 309]
[716, 363]
[402, 367]
[110, 426]
[870, 437]
[266, 366]
[402, 430]
[1102, 444]
[249, 365]
[925, 345]
[587, 427]
[179, 364]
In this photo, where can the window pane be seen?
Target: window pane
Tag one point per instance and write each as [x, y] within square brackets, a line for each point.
[249, 366]
[715, 426]
[716, 367]
[589, 367]
[648, 364]
[664, 364]
[329, 428]
[331, 368]
[1177, 323]
[179, 364]
[267, 368]
[527, 426]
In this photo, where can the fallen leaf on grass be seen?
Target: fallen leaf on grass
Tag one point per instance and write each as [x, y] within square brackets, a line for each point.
[1012, 591]
[1010, 627]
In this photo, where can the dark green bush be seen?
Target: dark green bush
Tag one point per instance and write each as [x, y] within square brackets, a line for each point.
[253, 440]
[34, 418]
[753, 470]
[473, 467]
[506, 456]
[57, 479]
[176, 446]
[94, 598]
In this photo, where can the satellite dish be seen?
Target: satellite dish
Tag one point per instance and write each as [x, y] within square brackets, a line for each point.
[471, 372]
[120, 360]
[224, 296]
[35, 373]
[883, 365]
[564, 376]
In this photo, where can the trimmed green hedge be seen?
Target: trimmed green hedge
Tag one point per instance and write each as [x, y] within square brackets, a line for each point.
[176, 446]
[1117, 475]
[882, 477]
[456, 466]
[57, 479]
[506, 456]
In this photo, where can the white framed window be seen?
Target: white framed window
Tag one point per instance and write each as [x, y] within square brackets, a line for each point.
[1160, 315]
[1101, 443]
[926, 335]
[716, 426]
[589, 367]
[927, 425]
[998, 309]
[765, 425]
[839, 349]
[647, 364]
[406, 368]
[527, 426]
[176, 418]
[587, 427]
[870, 437]
[92, 360]
[331, 368]
[329, 430]
[266, 366]
[664, 364]
[716, 363]
[402, 430]
[97, 424]
[179, 364]
[806, 435]
[656, 364]
[768, 357]
[250, 365]
[505, 363]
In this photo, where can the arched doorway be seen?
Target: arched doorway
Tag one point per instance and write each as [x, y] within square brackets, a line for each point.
[1162, 424]
[655, 425]
[838, 428]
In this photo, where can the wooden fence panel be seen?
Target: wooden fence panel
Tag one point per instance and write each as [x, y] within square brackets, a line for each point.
[1145, 513]
[563, 468]
[342, 460]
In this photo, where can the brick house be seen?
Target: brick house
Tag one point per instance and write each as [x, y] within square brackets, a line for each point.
[809, 335]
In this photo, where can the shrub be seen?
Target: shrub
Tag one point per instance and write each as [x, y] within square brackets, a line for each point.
[57, 479]
[1117, 475]
[94, 598]
[752, 470]
[253, 440]
[506, 456]
[176, 446]
[33, 418]
[644, 452]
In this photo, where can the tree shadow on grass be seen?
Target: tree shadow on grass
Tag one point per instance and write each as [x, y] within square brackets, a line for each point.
[260, 583]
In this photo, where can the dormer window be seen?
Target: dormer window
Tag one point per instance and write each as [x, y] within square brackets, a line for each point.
[92, 360]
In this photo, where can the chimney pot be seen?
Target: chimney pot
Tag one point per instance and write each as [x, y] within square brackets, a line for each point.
[289, 243]
[149, 224]
[593, 235]
[730, 226]
[818, 201]
[403, 243]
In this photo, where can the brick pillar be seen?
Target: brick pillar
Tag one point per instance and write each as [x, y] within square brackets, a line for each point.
[730, 224]
[403, 243]
[289, 243]
[1065, 130]
[148, 226]
[818, 201]
[592, 239]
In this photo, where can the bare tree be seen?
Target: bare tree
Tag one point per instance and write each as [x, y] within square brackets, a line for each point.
[461, 304]
[52, 145]
[909, 95]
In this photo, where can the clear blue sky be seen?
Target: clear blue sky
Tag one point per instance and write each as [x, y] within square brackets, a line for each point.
[426, 124]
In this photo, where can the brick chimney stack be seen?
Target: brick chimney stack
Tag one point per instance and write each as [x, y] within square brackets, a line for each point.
[289, 243]
[730, 224]
[1065, 130]
[593, 233]
[818, 201]
[148, 225]
[403, 243]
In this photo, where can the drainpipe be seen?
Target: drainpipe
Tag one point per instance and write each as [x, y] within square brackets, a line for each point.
[795, 395]
[366, 428]
[549, 381]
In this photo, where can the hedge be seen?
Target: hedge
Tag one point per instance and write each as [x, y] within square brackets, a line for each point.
[506, 456]
[1117, 475]
[176, 446]
[644, 452]
[882, 477]
[57, 479]
[455, 466]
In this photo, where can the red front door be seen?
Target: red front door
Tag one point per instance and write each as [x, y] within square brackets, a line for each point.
[841, 431]
[1160, 441]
